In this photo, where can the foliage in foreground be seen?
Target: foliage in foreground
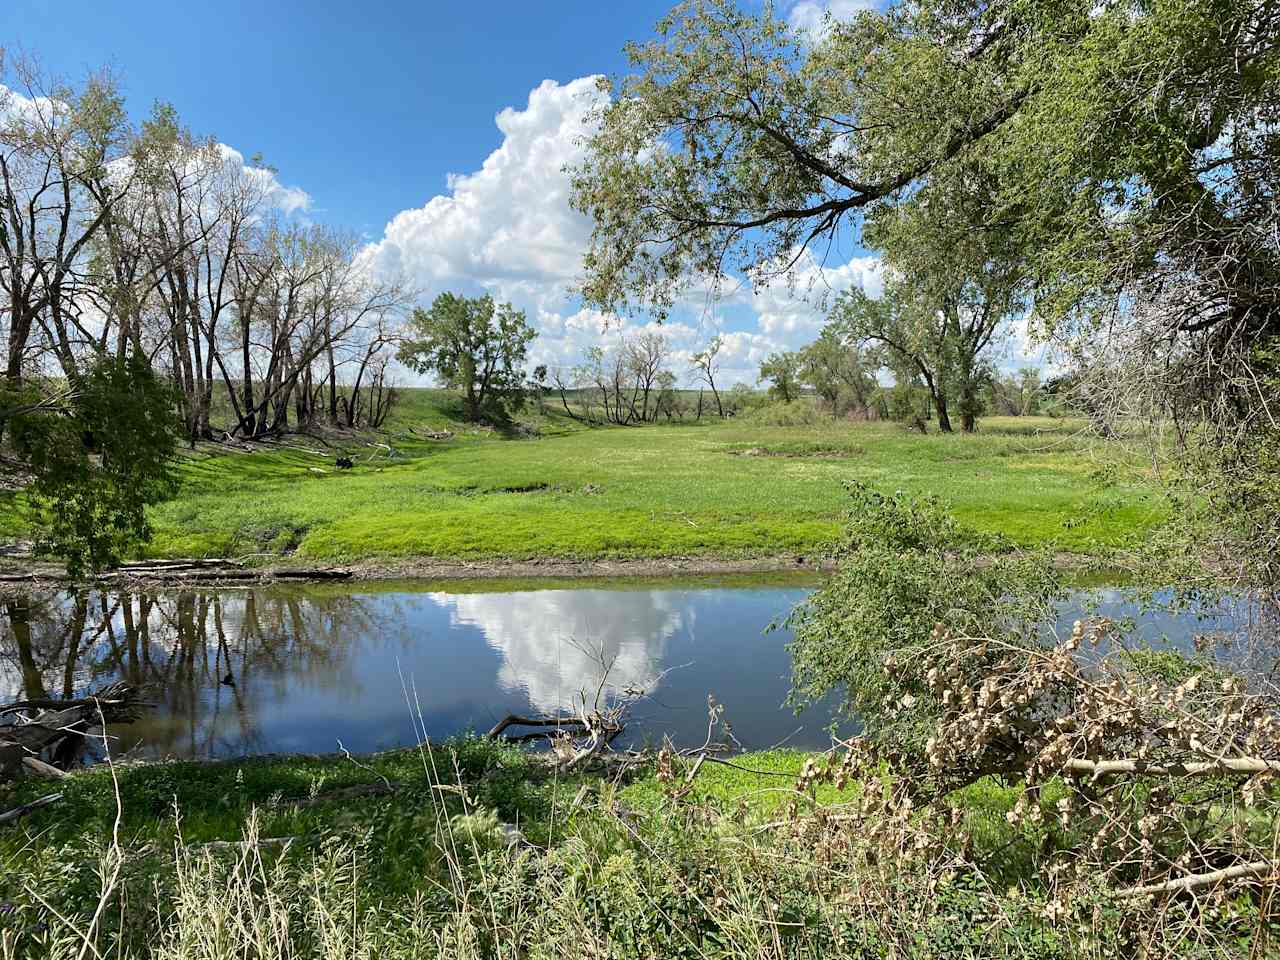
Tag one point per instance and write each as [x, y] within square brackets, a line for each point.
[98, 458]
[650, 869]
[904, 565]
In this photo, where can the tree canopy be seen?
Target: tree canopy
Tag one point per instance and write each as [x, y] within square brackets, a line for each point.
[97, 456]
[1106, 170]
[473, 345]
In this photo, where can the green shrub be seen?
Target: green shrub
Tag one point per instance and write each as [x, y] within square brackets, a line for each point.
[903, 567]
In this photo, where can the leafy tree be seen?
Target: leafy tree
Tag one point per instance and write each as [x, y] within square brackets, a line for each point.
[782, 371]
[837, 369]
[474, 346]
[903, 566]
[97, 457]
[1118, 149]
[740, 142]
[943, 341]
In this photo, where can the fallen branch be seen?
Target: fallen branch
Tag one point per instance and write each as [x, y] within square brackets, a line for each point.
[183, 563]
[1240, 766]
[11, 815]
[186, 576]
[515, 720]
[312, 574]
[1259, 868]
[53, 721]
[41, 769]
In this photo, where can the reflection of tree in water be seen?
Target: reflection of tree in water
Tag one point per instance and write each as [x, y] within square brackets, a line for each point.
[178, 647]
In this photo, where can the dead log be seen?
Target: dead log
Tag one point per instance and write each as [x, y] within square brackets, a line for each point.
[39, 768]
[515, 720]
[41, 725]
[183, 563]
[10, 815]
[312, 574]
[191, 576]
[1239, 766]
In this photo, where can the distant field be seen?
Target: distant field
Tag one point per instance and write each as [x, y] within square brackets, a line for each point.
[732, 489]
[718, 489]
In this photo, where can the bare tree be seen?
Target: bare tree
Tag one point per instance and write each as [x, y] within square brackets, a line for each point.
[63, 169]
[646, 356]
[705, 369]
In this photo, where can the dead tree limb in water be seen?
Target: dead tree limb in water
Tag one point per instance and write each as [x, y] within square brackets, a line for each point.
[515, 720]
[38, 725]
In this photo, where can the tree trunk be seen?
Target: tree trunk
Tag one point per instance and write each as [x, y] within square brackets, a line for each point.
[940, 405]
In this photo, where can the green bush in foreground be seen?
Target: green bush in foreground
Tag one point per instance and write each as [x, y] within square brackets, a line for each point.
[903, 566]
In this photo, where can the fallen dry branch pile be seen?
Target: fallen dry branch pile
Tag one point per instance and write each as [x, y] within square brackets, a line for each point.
[1138, 775]
[30, 728]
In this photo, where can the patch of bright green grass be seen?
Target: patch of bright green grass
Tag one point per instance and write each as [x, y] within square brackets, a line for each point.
[712, 489]
[755, 784]
[649, 492]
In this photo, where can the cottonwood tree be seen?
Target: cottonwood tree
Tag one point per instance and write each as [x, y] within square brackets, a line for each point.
[646, 356]
[943, 341]
[474, 345]
[61, 176]
[97, 459]
[151, 256]
[840, 369]
[88, 422]
[628, 382]
[1017, 394]
[782, 371]
[737, 142]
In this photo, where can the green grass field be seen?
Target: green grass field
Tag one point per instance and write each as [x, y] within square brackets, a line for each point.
[725, 489]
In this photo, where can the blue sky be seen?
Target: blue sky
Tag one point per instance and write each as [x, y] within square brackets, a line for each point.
[367, 106]
[436, 132]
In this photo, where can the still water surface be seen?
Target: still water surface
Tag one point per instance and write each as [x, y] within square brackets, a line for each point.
[364, 666]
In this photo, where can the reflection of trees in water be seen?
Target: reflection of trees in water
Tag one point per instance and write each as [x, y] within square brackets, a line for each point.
[178, 647]
[1249, 639]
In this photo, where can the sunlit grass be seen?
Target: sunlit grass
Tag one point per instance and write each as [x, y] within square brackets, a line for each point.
[731, 489]
[724, 490]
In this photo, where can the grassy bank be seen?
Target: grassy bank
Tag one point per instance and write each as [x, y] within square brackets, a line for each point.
[723, 489]
[735, 862]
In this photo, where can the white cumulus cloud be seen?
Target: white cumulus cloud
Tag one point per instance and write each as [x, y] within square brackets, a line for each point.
[810, 15]
[508, 226]
[507, 229]
[290, 200]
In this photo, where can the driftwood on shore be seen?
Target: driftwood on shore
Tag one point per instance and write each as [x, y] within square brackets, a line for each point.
[29, 728]
[185, 571]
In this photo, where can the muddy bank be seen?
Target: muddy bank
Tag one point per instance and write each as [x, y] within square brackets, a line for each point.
[21, 574]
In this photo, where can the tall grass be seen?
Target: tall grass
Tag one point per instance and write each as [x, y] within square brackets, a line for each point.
[685, 881]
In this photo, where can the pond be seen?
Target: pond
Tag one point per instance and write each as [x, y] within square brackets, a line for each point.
[236, 671]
